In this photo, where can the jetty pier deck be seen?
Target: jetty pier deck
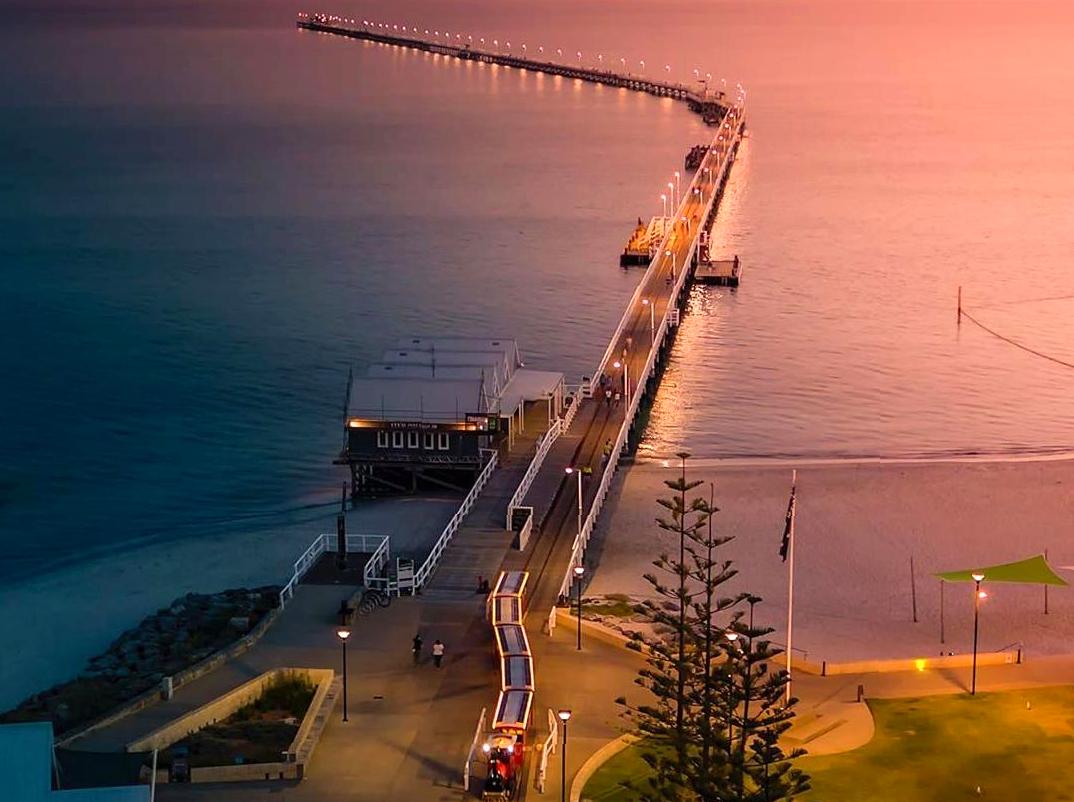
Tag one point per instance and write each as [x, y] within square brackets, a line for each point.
[711, 104]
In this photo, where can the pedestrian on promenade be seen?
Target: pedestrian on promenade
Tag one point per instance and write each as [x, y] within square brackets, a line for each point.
[417, 648]
[608, 397]
[618, 397]
[438, 652]
[607, 451]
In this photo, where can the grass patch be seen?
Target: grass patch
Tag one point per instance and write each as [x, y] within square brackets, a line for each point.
[607, 784]
[929, 749]
[942, 748]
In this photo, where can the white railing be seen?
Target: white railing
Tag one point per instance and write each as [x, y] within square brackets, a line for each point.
[426, 571]
[550, 744]
[473, 750]
[378, 545]
[582, 538]
[544, 444]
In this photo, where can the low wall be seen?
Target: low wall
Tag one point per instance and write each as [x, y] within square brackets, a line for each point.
[246, 772]
[223, 706]
[921, 663]
[823, 668]
[154, 695]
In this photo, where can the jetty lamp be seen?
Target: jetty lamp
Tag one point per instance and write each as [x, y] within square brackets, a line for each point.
[671, 253]
[572, 470]
[579, 570]
[978, 595]
[678, 191]
[564, 717]
[626, 382]
[343, 633]
[667, 69]
[643, 65]
[652, 318]
[579, 58]
[664, 200]
[671, 192]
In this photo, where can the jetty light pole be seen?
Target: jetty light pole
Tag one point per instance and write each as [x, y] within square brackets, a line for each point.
[564, 717]
[626, 381]
[674, 199]
[978, 594]
[664, 200]
[678, 188]
[571, 469]
[652, 318]
[343, 633]
[671, 253]
[578, 571]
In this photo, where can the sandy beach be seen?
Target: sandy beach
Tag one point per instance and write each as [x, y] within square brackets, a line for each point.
[53, 623]
[857, 527]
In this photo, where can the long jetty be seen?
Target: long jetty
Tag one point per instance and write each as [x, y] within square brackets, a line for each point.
[556, 505]
[711, 104]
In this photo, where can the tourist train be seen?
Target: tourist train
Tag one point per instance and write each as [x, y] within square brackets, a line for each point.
[505, 744]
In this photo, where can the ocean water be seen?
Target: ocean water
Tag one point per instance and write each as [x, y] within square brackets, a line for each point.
[207, 217]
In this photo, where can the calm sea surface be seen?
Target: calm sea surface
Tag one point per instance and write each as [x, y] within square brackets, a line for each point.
[206, 216]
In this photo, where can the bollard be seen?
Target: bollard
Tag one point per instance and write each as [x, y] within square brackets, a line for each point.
[861, 693]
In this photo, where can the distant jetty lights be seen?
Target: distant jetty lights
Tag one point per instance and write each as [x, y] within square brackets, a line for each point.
[449, 37]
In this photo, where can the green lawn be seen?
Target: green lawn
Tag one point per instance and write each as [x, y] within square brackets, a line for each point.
[932, 749]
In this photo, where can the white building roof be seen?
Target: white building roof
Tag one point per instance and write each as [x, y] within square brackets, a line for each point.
[406, 399]
[495, 381]
[504, 345]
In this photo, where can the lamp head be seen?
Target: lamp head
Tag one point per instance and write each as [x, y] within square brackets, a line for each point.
[564, 715]
[579, 570]
[343, 633]
[978, 577]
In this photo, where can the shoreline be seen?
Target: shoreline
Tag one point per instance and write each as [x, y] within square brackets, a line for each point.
[54, 622]
[969, 458]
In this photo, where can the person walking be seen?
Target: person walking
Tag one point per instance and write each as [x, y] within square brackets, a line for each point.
[607, 451]
[417, 648]
[608, 397]
[438, 652]
[618, 397]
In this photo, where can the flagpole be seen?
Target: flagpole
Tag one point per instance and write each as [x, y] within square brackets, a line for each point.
[790, 584]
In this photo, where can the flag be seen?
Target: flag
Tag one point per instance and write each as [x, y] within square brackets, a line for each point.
[788, 528]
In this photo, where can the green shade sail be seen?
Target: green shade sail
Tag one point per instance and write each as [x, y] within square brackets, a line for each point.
[1031, 571]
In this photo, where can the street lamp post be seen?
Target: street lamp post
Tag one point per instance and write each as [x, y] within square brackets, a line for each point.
[674, 199]
[578, 571]
[571, 469]
[664, 200]
[564, 717]
[733, 637]
[652, 318]
[343, 633]
[671, 253]
[678, 189]
[977, 595]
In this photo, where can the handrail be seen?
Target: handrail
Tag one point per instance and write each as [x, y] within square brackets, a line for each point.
[422, 575]
[550, 744]
[379, 545]
[473, 750]
[544, 445]
[582, 538]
